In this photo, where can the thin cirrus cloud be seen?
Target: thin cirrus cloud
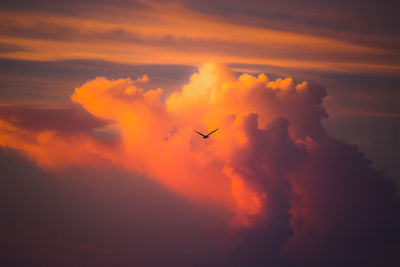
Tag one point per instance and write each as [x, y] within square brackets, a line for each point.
[296, 193]
[160, 33]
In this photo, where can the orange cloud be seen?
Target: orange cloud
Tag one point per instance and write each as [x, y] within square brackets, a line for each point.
[290, 187]
[157, 138]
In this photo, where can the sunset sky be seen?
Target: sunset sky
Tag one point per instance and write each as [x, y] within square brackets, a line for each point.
[100, 163]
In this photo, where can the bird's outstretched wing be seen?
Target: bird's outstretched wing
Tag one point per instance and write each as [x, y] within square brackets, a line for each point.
[200, 133]
[212, 132]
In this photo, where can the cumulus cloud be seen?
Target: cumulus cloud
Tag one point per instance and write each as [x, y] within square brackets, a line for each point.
[298, 194]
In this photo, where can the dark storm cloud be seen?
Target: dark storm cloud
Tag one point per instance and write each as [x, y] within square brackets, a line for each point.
[325, 205]
[352, 210]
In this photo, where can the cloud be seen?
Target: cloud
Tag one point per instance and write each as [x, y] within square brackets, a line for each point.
[163, 32]
[298, 195]
[342, 208]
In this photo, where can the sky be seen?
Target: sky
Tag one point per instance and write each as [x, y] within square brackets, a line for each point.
[101, 165]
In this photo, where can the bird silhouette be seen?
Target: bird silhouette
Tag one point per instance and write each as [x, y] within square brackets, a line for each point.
[205, 136]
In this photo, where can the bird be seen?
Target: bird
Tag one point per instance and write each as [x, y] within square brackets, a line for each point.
[207, 135]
